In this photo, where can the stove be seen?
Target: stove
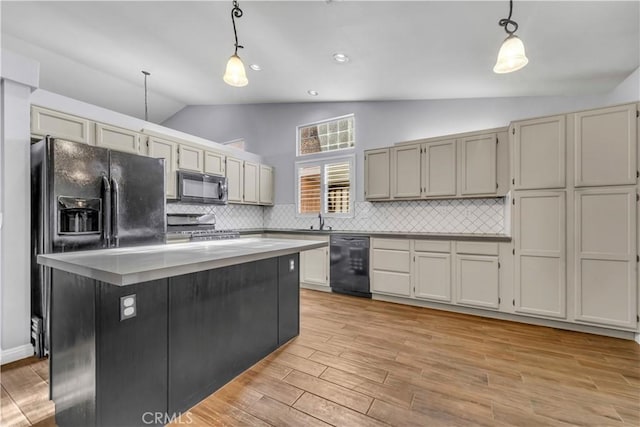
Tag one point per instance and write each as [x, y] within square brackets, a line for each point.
[196, 228]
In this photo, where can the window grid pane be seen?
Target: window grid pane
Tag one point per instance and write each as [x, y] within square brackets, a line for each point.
[310, 189]
[326, 136]
[338, 187]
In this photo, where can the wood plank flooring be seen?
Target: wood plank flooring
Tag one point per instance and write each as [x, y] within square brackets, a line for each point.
[359, 362]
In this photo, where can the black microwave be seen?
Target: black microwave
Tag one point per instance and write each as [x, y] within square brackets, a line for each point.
[201, 188]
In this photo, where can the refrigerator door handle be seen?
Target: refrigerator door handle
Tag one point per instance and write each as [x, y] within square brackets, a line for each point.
[106, 212]
[114, 212]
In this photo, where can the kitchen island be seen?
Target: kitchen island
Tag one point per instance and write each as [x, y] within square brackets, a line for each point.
[141, 334]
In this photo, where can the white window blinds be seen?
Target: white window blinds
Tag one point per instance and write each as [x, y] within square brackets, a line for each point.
[325, 186]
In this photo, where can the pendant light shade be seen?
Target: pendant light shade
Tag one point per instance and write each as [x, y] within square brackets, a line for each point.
[511, 56]
[235, 74]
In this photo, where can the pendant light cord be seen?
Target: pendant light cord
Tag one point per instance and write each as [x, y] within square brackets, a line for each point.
[236, 12]
[504, 22]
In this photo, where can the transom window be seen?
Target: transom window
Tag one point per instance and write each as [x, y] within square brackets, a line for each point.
[328, 135]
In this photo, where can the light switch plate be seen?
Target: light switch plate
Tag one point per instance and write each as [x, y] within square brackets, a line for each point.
[128, 307]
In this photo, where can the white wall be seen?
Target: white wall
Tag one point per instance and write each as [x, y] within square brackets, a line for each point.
[269, 129]
[627, 91]
[19, 77]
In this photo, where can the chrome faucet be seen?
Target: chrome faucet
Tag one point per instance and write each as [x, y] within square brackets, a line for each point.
[321, 221]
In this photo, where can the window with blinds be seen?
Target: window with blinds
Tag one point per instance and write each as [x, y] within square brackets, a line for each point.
[325, 186]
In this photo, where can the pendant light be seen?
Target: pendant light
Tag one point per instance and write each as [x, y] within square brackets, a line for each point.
[146, 104]
[235, 75]
[511, 56]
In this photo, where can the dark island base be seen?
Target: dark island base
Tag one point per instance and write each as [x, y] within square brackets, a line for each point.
[191, 335]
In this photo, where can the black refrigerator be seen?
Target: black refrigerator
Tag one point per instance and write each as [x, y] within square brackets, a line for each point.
[85, 197]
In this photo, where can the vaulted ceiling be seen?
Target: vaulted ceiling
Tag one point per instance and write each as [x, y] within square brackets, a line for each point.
[95, 51]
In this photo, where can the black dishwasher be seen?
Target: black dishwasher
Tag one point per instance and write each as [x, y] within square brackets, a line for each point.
[350, 265]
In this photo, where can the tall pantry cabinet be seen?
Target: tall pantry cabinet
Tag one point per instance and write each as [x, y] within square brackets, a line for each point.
[575, 182]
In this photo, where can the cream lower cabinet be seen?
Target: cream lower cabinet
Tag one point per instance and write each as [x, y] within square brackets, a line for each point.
[432, 276]
[314, 267]
[477, 280]
[540, 253]
[117, 138]
[605, 256]
[391, 267]
[167, 150]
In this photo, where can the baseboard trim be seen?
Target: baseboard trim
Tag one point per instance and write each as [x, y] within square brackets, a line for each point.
[16, 353]
[313, 287]
[628, 335]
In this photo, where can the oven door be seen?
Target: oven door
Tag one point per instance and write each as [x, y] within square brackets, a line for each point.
[203, 189]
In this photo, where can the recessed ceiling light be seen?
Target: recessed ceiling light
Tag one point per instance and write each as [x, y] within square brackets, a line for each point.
[340, 57]
[312, 92]
[255, 67]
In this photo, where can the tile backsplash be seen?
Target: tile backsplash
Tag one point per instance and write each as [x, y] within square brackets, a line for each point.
[488, 216]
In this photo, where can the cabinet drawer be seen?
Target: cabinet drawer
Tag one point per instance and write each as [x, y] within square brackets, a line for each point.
[432, 246]
[395, 244]
[480, 248]
[384, 259]
[391, 283]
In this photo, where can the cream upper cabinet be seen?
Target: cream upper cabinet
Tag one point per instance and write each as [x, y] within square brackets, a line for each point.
[59, 125]
[539, 153]
[167, 150]
[314, 267]
[540, 253]
[391, 266]
[432, 276]
[117, 138]
[605, 256]
[266, 185]
[251, 183]
[605, 144]
[190, 158]
[439, 168]
[235, 177]
[478, 168]
[477, 280]
[214, 163]
[405, 171]
[377, 174]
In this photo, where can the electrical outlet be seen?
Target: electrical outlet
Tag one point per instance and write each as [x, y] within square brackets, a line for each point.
[128, 308]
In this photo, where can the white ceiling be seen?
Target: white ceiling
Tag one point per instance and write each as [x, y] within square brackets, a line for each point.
[94, 51]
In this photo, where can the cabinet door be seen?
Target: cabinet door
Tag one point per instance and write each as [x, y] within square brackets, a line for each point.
[167, 150]
[539, 149]
[235, 177]
[266, 185]
[605, 146]
[605, 256]
[478, 165]
[59, 125]
[190, 158]
[251, 184]
[477, 280]
[432, 276]
[405, 170]
[376, 174]
[314, 267]
[213, 163]
[117, 138]
[439, 168]
[540, 254]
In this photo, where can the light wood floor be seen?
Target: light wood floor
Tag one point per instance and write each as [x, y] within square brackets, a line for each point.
[370, 363]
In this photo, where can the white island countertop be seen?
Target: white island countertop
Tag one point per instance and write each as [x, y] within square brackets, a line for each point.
[126, 266]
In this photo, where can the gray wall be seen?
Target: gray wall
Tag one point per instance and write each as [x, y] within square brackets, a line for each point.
[269, 129]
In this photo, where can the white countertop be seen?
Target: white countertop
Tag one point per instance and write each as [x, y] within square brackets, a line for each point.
[126, 266]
